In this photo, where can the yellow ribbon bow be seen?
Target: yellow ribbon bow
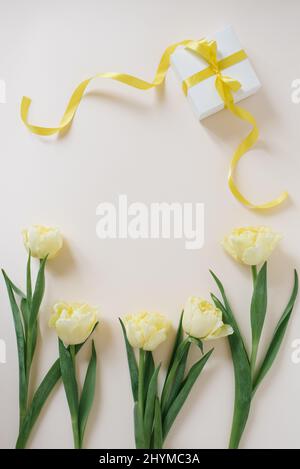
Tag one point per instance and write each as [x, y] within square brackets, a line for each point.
[225, 86]
[208, 51]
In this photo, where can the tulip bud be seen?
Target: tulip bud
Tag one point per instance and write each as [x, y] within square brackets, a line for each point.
[42, 241]
[251, 245]
[73, 322]
[203, 321]
[146, 330]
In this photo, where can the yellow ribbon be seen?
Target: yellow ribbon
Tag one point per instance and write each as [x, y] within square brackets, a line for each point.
[224, 85]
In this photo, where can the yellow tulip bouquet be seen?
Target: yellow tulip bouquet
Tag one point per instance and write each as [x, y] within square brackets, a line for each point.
[73, 323]
[145, 331]
[251, 246]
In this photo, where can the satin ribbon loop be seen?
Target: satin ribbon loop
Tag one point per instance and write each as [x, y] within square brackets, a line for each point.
[207, 50]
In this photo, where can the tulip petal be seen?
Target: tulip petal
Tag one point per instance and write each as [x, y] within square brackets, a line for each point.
[222, 331]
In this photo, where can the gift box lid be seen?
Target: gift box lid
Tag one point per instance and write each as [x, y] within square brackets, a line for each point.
[204, 97]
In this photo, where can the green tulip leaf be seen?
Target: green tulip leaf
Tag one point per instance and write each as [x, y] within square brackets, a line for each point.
[21, 346]
[25, 314]
[243, 381]
[39, 399]
[14, 288]
[28, 281]
[167, 392]
[228, 313]
[277, 336]
[173, 383]
[258, 310]
[67, 369]
[186, 387]
[157, 430]
[88, 393]
[178, 379]
[33, 305]
[133, 368]
[177, 342]
[197, 342]
[38, 293]
[150, 406]
[149, 368]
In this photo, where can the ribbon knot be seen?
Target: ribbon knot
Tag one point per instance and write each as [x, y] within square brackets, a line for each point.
[207, 50]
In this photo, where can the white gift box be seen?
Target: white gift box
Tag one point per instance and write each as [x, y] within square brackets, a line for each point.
[204, 97]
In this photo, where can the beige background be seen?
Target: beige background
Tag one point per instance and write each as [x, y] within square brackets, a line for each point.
[149, 146]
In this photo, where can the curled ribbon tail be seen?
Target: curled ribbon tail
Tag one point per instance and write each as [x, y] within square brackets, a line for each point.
[243, 147]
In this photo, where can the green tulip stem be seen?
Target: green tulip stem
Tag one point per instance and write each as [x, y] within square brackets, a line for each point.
[254, 343]
[73, 354]
[76, 437]
[141, 382]
[254, 273]
[253, 358]
[75, 420]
